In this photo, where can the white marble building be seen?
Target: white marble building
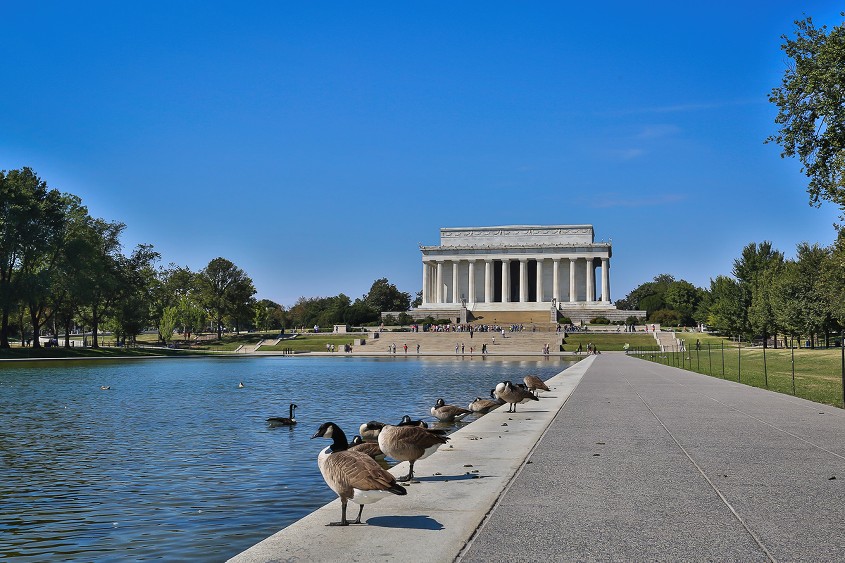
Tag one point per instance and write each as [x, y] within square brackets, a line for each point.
[518, 268]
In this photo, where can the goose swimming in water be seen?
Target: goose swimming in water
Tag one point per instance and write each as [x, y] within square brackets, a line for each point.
[369, 431]
[352, 475]
[284, 421]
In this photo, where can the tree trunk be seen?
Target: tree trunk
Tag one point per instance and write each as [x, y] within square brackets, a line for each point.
[4, 328]
[34, 318]
[67, 332]
[95, 324]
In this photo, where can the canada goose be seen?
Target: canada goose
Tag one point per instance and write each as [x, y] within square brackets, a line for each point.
[409, 443]
[369, 431]
[448, 413]
[369, 448]
[406, 421]
[535, 384]
[282, 421]
[512, 394]
[483, 406]
[240, 385]
[352, 475]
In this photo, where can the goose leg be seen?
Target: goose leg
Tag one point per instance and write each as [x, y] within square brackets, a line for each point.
[360, 510]
[410, 474]
[343, 521]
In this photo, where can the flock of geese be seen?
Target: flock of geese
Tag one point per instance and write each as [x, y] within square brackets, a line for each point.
[351, 469]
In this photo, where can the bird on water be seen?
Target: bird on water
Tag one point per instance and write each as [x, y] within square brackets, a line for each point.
[282, 420]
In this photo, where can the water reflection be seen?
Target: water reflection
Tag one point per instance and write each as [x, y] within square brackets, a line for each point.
[176, 461]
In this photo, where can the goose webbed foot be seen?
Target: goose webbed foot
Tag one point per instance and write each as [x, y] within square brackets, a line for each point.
[405, 478]
[341, 523]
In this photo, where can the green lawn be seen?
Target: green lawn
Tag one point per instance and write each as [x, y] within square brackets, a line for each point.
[312, 342]
[606, 341]
[818, 373]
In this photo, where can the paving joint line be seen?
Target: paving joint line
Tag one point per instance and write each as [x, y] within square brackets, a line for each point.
[512, 480]
[751, 416]
[739, 518]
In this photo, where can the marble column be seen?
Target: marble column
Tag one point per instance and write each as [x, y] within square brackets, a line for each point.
[506, 281]
[438, 283]
[488, 281]
[605, 280]
[523, 280]
[456, 295]
[556, 280]
[572, 294]
[425, 289]
[591, 280]
[539, 280]
[471, 281]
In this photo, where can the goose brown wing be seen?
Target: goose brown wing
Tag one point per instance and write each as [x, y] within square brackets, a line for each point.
[355, 470]
[452, 410]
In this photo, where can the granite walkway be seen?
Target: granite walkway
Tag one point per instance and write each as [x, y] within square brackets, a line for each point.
[649, 462]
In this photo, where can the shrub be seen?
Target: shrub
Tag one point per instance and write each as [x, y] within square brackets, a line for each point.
[565, 321]
[600, 321]
[389, 320]
[666, 317]
[632, 320]
[405, 319]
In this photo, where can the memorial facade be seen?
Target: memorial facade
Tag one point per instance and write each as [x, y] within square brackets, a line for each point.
[518, 268]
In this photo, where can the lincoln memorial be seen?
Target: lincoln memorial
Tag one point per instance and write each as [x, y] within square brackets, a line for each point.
[556, 269]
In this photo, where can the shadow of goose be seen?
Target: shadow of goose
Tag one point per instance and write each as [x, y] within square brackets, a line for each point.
[412, 522]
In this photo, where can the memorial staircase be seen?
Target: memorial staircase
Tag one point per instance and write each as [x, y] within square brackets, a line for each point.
[525, 342]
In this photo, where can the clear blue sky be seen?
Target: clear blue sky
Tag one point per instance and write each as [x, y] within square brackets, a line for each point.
[316, 144]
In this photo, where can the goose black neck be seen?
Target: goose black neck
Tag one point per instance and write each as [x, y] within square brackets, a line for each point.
[339, 441]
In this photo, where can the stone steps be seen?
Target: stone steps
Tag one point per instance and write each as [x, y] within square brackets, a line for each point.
[444, 342]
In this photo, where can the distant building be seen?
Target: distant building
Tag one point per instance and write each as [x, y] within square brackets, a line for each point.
[559, 269]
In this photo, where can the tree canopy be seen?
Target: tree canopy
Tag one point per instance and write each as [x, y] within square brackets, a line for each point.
[811, 108]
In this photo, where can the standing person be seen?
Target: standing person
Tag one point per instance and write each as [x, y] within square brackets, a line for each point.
[418, 348]
[580, 349]
[456, 348]
[462, 348]
[406, 347]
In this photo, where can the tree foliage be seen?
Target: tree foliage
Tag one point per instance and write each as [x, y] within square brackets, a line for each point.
[811, 108]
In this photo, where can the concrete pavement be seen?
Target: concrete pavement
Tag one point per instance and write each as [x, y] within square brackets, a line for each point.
[641, 462]
[649, 462]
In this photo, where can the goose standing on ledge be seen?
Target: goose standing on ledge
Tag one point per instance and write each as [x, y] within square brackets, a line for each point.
[409, 443]
[535, 384]
[352, 475]
[483, 406]
[283, 421]
[369, 448]
[512, 394]
[448, 413]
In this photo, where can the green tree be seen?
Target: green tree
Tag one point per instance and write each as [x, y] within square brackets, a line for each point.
[32, 230]
[650, 296]
[798, 293]
[168, 323]
[811, 108]
[225, 290]
[269, 315]
[756, 267]
[726, 313]
[683, 297]
[384, 296]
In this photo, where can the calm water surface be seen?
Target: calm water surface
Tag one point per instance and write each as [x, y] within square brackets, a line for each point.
[176, 463]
